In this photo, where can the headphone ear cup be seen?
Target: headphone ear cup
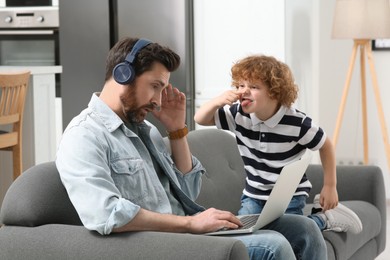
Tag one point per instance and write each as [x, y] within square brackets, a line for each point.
[123, 73]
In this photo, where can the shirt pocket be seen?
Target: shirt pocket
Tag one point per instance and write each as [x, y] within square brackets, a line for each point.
[130, 178]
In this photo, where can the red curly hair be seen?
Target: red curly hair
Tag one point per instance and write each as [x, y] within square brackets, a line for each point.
[276, 75]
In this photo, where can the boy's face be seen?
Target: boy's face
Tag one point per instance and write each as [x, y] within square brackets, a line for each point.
[255, 98]
[145, 94]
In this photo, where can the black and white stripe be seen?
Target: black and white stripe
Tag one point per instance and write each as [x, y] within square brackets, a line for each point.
[267, 146]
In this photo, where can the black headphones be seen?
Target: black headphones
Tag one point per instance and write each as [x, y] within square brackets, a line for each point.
[123, 72]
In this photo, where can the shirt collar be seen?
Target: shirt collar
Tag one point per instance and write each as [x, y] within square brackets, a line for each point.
[109, 118]
[272, 121]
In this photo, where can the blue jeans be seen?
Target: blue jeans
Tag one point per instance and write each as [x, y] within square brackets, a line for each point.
[296, 206]
[285, 237]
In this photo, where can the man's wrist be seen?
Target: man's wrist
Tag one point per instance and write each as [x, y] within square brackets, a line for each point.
[178, 134]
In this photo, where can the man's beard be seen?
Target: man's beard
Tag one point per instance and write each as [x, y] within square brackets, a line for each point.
[131, 109]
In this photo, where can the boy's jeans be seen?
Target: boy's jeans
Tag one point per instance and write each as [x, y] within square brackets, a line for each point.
[289, 237]
[296, 206]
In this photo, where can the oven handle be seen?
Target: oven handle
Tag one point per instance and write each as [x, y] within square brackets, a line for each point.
[26, 32]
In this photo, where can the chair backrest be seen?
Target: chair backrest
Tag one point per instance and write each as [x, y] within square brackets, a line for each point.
[13, 89]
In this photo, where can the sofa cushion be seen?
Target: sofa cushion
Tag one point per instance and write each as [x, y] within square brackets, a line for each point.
[357, 183]
[65, 242]
[25, 205]
[347, 243]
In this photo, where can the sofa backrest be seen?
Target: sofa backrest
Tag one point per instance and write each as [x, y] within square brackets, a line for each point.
[37, 197]
[224, 181]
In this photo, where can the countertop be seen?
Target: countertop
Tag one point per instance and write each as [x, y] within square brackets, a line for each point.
[34, 69]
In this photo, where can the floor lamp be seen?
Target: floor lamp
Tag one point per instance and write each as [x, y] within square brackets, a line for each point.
[362, 21]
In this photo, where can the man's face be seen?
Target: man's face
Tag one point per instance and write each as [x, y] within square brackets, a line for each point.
[144, 95]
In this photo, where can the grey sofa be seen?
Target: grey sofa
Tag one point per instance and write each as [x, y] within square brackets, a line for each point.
[41, 223]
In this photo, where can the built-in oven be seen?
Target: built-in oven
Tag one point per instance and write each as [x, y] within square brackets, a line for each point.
[29, 33]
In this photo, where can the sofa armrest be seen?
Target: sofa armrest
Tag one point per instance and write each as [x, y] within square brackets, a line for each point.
[359, 183]
[56, 241]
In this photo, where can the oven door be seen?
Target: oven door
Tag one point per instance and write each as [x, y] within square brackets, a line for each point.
[23, 3]
[29, 47]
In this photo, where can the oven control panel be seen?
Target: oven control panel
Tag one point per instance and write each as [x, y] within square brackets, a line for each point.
[29, 17]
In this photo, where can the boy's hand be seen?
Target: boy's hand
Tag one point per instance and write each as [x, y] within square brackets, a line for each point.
[227, 98]
[328, 198]
[205, 114]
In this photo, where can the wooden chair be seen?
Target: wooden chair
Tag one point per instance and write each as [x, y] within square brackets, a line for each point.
[13, 89]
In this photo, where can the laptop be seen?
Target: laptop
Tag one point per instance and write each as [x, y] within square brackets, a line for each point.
[277, 202]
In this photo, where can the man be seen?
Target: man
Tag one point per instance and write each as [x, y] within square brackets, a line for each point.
[120, 176]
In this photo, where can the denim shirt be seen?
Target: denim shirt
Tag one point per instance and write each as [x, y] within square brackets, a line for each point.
[108, 172]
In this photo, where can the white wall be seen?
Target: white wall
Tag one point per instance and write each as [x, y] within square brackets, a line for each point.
[301, 51]
[228, 30]
[311, 50]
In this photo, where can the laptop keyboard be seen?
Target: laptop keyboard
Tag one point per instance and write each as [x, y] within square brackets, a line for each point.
[248, 220]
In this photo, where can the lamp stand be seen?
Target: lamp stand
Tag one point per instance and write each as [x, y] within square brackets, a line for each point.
[365, 49]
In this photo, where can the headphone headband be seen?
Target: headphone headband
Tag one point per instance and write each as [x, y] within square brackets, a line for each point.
[139, 45]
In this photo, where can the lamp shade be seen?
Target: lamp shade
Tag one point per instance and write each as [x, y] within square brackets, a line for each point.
[361, 19]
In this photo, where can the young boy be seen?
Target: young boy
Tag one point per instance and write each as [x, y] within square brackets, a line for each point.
[270, 133]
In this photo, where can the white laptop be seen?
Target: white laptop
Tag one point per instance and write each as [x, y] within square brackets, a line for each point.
[277, 202]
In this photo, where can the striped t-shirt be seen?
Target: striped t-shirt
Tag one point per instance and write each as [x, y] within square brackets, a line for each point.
[267, 146]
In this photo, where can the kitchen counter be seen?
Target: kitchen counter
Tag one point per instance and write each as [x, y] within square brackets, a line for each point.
[40, 123]
[35, 70]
